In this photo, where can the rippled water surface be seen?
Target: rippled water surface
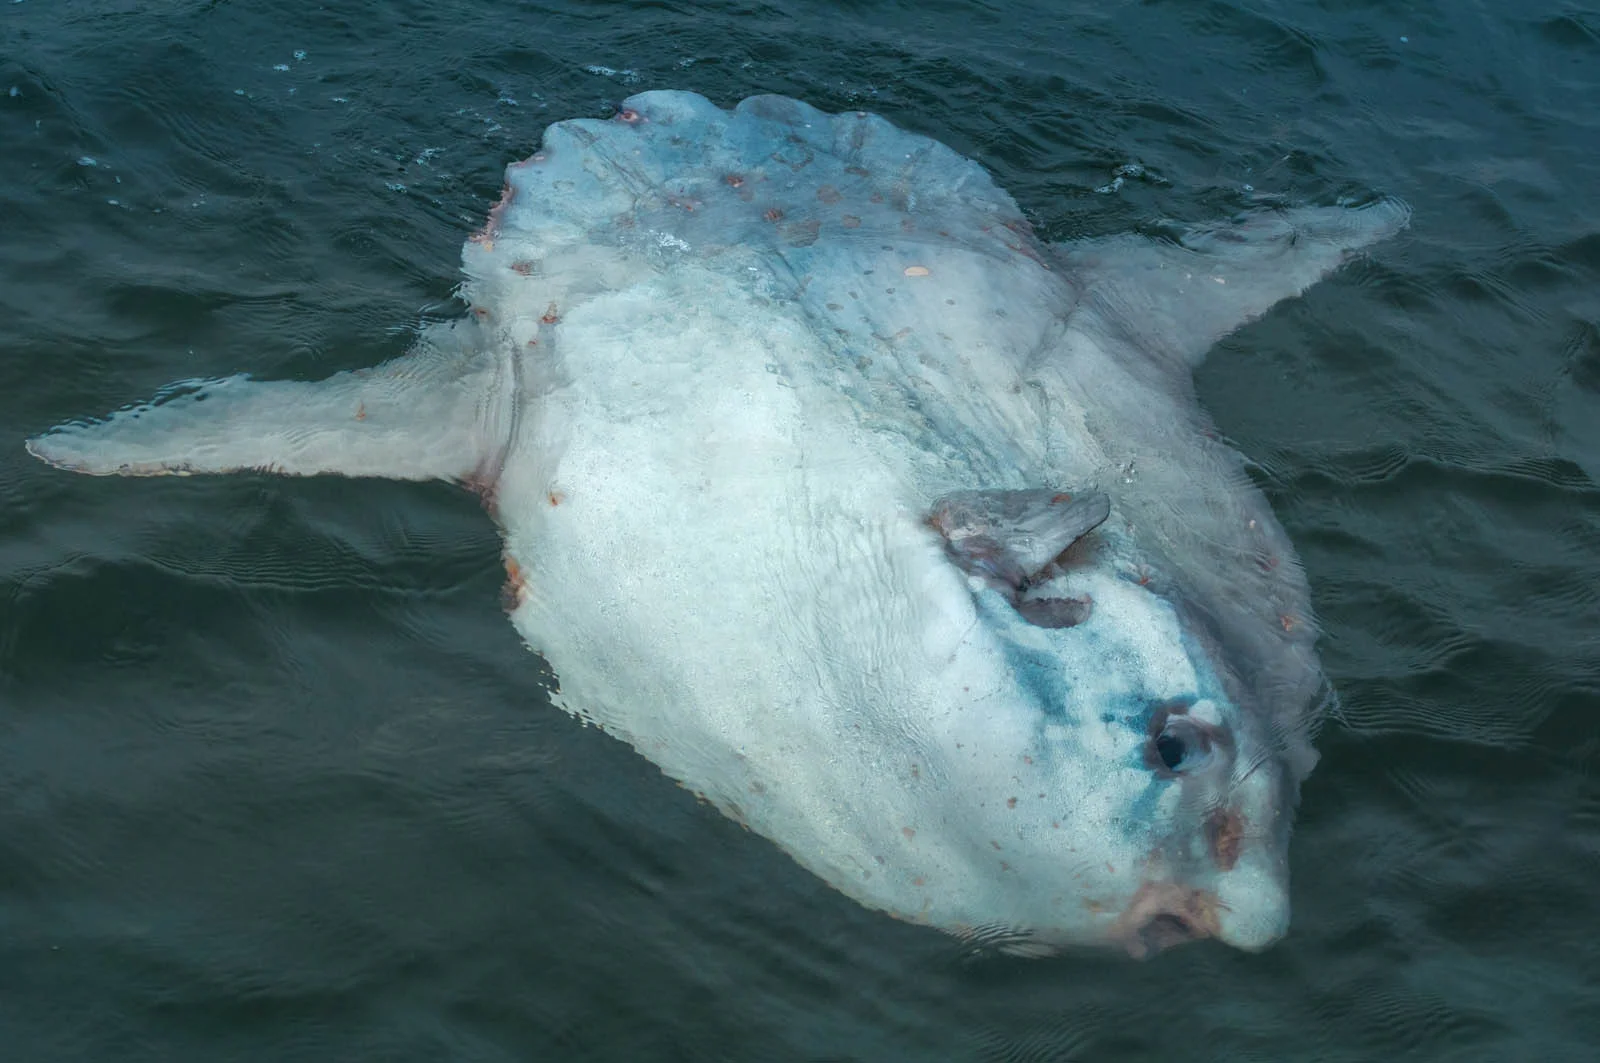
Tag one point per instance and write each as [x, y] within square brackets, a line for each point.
[278, 781]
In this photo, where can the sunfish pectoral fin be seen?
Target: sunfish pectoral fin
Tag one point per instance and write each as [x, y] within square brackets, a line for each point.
[442, 411]
[1179, 298]
[1008, 537]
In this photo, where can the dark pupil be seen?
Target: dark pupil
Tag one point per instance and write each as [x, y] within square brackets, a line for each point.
[1169, 747]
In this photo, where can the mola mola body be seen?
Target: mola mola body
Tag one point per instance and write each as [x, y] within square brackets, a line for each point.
[889, 529]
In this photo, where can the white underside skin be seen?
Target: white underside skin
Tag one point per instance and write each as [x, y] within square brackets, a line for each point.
[725, 364]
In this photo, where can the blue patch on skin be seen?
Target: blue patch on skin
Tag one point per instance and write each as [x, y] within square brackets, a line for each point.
[1143, 811]
[1038, 671]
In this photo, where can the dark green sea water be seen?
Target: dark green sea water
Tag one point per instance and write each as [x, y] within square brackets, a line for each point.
[278, 781]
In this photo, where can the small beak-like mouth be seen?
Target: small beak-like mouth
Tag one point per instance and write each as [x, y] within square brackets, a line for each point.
[1164, 914]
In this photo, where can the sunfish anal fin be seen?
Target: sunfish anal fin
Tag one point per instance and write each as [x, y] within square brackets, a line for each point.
[445, 411]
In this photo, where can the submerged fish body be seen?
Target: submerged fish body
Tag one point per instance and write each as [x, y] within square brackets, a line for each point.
[887, 528]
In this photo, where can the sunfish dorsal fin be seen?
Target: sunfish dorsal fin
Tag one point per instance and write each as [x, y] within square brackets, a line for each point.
[443, 411]
[1176, 299]
[1007, 538]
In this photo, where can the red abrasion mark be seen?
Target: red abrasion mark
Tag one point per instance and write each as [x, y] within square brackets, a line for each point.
[1011, 802]
[773, 214]
[550, 315]
[1289, 623]
[480, 312]
[1225, 834]
[828, 194]
[629, 115]
[524, 268]
[491, 228]
[483, 486]
[361, 411]
[555, 498]
[733, 180]
[908, 832]
[533, 343]
[515, 590]
[1063, 497]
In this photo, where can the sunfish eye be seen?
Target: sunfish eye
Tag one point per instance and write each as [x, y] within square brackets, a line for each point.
[1181, 745]
[1171, 749]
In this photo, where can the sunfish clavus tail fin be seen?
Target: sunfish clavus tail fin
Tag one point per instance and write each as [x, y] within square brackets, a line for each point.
[1178, 298]
[443, 411]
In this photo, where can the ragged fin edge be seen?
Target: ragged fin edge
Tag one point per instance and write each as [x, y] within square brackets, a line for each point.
[1178, 298]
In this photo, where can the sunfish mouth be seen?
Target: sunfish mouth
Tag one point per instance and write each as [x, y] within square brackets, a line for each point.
[1164, 914]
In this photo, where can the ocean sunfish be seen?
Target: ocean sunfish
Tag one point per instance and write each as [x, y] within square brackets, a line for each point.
[869, 517]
